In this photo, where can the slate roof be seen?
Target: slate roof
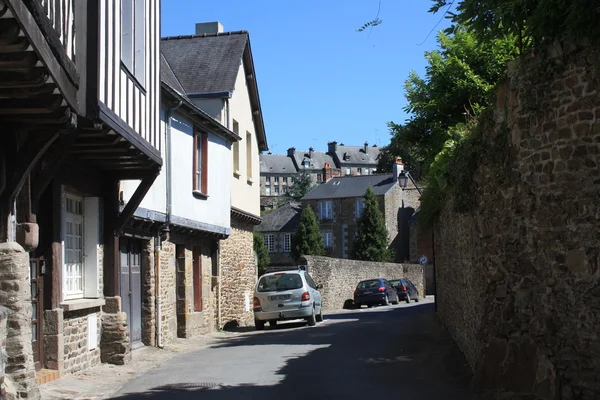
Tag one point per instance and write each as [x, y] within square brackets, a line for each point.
[357, 155]
[215, 58]
[318, 159]
[352, 186]
[207, 65]
[284, 219]
[276, 164]
[168, 76]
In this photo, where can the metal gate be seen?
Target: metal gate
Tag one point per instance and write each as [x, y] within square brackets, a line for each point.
[131, 286]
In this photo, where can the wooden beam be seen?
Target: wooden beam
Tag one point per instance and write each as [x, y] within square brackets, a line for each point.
[53, 164]
[56, 257]
[111, 240]
[135, 200]
[27, 158]
[62, 74]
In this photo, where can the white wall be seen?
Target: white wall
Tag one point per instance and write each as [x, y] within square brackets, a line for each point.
[213, 107]
[244, 195]
[214, 210]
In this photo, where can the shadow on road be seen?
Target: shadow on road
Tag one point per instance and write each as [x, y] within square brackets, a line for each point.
[394, 352]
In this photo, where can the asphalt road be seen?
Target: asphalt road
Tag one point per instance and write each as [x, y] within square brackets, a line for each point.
[396, 352]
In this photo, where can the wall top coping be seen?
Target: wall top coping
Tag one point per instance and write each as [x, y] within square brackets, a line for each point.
[81, 304]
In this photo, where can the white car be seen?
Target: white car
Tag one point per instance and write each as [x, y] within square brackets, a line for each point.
[286, 295]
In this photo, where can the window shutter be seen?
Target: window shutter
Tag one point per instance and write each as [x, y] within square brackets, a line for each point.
[91, 240]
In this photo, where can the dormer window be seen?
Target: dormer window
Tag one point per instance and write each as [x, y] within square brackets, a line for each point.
[306, 163]
[133, 38]
[346, 157]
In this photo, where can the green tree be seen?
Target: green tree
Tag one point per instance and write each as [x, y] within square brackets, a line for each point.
[457, 85]
[307, 239]
[302, 184]
[371, 243]
[261, 252]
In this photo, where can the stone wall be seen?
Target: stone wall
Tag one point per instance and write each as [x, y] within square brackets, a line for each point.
[148, 294]
[526, 259]
[339, 277]
[77, 353]
[115, 338]
[238, 275]
[15, 295]
[168, 293]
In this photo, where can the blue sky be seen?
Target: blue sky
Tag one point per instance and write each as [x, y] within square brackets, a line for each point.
[320, 80]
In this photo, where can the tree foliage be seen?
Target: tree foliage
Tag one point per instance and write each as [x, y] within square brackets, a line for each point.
[261, 252]
[459, 79]
[371, 243]
[307, 239]
[532, 22]
[302, 184]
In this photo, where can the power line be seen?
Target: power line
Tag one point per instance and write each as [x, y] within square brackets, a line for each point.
[432, 29]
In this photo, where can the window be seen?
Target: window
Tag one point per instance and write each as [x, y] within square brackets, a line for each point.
[285, 181]
[366, 171]
[325, 210]
[268, 180]
[249, 155]
[276, 187]
[318, 177]
[359, 171]
[197, 277]
[327, 240]
[268, 190]
[306, 163]
[200, 182]
[236, 149]
[270, 243]
[80, 242]
[347, 171]
[73, 246]
[133, 38]
[360, 206]
[287, 242]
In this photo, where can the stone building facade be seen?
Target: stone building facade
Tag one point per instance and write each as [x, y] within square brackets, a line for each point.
[526, 257]
[339, 276]
[238, 275]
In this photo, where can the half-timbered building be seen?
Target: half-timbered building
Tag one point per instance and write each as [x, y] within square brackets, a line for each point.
[79, 113]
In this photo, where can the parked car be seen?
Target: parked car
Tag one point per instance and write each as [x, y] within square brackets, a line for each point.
[406, 289]
[375, 291]
[287, 295]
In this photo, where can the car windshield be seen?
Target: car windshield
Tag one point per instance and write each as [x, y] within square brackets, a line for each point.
[369, 284]
[279, 282]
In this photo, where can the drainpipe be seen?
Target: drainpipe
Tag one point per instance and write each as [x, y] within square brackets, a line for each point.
[157, 251]
[166, 226]
[168, 115]
[218, 255]
[227, 112]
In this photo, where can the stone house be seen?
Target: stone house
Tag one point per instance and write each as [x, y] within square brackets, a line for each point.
[338, 203]
[79, 113]
[177, 229]
[278, 228]
[312, 161]
[276, 176]
[354, 160]
[224, 86]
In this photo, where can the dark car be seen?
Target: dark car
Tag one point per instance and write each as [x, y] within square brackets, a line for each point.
[375, 291]
[406, 289]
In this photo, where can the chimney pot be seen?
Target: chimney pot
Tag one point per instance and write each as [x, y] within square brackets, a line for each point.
[310, 152]
[208, 27]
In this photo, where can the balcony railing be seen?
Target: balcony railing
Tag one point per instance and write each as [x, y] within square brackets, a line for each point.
[61, 14]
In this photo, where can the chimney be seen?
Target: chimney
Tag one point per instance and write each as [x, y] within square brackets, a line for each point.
[397, 168]
[291, 151]
[310, 152]
[208, 28]
[331, 147]
[365, 147]
[329, 172]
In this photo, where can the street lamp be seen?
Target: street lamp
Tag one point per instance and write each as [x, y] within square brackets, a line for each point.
[403, 178]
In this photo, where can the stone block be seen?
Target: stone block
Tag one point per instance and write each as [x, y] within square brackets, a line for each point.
[7, 389]
[113, 305]
[28, 235]
[53, 321]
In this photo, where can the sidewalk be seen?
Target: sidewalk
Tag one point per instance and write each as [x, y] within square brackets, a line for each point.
[103, 381]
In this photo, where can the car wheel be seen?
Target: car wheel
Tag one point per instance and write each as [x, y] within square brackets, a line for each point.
[273, 323]
[417, 298]
[370, 305]
[407, 298]
[312, 320]
[386, 301]
[396, 301]
[260, 325]
[357, 305]
[320, 315]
